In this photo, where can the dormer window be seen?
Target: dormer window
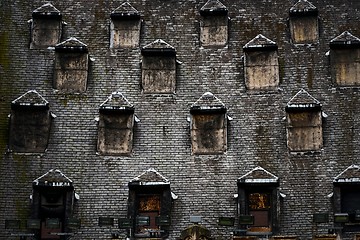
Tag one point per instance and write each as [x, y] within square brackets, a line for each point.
[304, 123]
[214, 24]
[71, 66]
[208, 125]
[347, 197]
[46, 27]
[149, 205]
[30, 122]
[158, 68]
[52, 204]
[304, 27]
[258, 200]
[344, 59]
[116, 123]
[125, 27]
[261, 64]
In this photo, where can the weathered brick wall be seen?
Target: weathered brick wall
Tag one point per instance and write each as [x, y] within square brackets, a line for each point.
[205, 184]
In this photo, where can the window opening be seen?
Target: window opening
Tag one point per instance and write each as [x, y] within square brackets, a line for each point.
[258, 202]
[158, 68]
[71, 66]
[208, 125]
[116, 123]
[261, 65]
[30, 123]
[125, 27]
[46, 27]
[304, 123]
[214, 24]
[304, 23]
[344, 60]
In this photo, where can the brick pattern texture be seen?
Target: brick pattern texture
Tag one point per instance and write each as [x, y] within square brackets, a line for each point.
[205, 184]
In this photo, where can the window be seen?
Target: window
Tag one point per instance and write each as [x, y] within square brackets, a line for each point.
[52, 203]
[347, 197]
[214, 24]
[304, 123]
[304, 23]
[344, 59]
[258, 197]
[30, 122]
[261, 66]
[208, 125]
[150, 201]
[125, 27]
[71, 66]
[158, 68]
[46, 27]
[116, 122]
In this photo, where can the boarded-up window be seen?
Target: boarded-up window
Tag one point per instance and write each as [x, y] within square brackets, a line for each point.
[304, 123]
[29, 124]
[214, 24]
[304, 130]
[208, 125]
[304, 23]
[208, 133]
[125, 27]
[345, 60]
[115, 134]
[71, 66]
[261, 66]
[158, 68]
[46, 27]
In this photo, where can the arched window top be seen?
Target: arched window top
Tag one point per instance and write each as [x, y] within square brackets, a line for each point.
[258, 175]
[259, 43]
[149, 177]
[213, 7]
[159, 46]
[117, 101]
[46, 11]
[208, 103]
[125, 11]
[71, 45]
[345, 40]
[53, 178]
[302, 101]
[30, 99]
[349, 175]
[303, 8]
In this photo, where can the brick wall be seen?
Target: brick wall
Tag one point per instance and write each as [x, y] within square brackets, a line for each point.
[205, 184]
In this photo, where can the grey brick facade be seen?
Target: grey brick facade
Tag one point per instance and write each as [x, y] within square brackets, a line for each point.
[205, 185]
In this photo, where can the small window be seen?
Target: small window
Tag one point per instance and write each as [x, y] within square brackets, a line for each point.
[46, 27]
[52, 204]
[158, 68]
[125, 27]
[261, 66]
[304, 123]
[344, 59]
[71, 66]
[258, 197]
[347, 197]
[30, 122]
[304, 23]
[214, 24]
[150, 203]
[208, 125]
[116, 122]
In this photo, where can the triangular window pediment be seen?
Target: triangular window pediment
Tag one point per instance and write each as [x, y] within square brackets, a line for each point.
[258, 175]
